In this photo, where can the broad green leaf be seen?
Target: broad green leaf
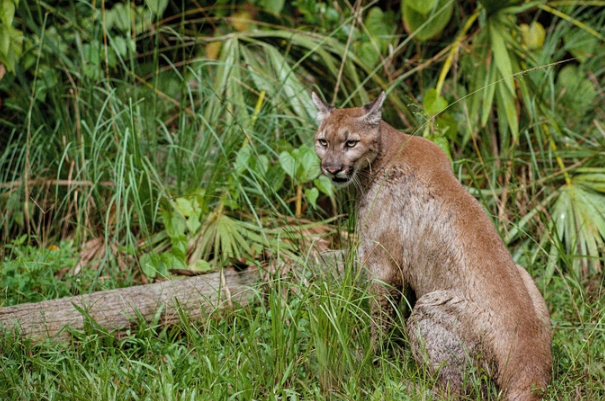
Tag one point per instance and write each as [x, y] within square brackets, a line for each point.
[378, 28]
[288, 163]
[324, 184]
[568, 76]
[310, 163]
[257, 65]
[119, 45]
[201, 265]
[201, 201]
[170, 261]
[533, 35]
[4, 40]
[578, 92]
[185, 206]
[157, 7]
[421, 6]
[92, 52]
[7, 12]
[275, 177]
[229, 200]
[154, 265]
[150, 264]
[13, 46]
[433, 104]
[239, 244]
[193, 224]
[443, 143]
[123, 46]
[580, 43]
[179, 246]
[448, 124]
[144, 19]
[213, 50]
[368, 52]
[275, 6]
[261, 165]
[120, 16]
[429, 26]
[20, 241]
[312, 194]
[174, 222]
[92, 71]
[241, 20]
[299, 168]
[241, 159]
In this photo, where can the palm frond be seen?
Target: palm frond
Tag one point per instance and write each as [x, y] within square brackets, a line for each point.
[578, 225]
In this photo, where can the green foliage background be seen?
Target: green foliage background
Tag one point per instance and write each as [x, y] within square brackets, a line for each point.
[178, 135]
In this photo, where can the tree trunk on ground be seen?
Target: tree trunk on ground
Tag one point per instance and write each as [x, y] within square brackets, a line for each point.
[120, 309]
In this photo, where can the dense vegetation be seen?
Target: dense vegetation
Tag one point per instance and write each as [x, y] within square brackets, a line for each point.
[139, 137]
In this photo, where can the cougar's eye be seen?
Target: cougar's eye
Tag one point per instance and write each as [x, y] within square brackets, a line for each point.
[351, 144]
[323, 142]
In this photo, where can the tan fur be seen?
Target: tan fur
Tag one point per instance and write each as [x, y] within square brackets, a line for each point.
[419, 228]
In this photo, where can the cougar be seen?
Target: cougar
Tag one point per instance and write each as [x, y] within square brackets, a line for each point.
[420, 230]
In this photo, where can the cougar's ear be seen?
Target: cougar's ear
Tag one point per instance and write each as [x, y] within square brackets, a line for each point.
[374, 110]
[323, 109]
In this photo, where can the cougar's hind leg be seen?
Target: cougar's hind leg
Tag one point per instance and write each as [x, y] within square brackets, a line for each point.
[532, 365]
[445, 335]
[536, 297]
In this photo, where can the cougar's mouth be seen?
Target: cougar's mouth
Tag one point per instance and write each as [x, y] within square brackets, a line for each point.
[339, 180]
[342, 178]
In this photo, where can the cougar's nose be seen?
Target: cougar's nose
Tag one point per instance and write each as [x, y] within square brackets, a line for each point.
[332, 169]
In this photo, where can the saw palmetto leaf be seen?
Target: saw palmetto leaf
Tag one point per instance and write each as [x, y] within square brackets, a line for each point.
[222, 238]
[272, 72]
[578, 225]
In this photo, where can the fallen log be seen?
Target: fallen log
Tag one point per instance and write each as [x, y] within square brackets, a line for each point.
[120, 309]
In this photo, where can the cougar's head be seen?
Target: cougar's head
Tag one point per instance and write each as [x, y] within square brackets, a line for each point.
[347, 140]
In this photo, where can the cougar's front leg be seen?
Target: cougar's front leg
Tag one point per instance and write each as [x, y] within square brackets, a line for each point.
[385, 286]
[383, 301]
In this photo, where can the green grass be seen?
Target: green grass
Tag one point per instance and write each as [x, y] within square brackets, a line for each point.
[34, 273]
[297, 341]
